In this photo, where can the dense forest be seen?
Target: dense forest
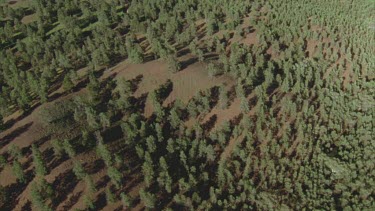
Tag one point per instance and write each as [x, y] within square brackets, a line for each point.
[288, 123]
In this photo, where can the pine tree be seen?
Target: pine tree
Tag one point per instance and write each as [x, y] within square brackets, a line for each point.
[88, 201]
[223, 98]
[78, 170]
[164, 178]
[151, 146]
[18, 171]
[173, 64]
[213, 70]
[110, 196]
[245, 108]
[40, 167]
[115, 175]
[104, 153]
[37, 198]
[92, 116]
[147, 169]
[3, 161]
[90, 184]
[15, 151]
[159, 111]
[126, 200]
[43, 89]
[135, 54]
[58, 147]
[104, 120]
[69, 149]
[93, 88]
[68, 85]
[174, 118]
[147, 198]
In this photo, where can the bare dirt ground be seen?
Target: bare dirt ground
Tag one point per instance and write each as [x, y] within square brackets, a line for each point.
[186, 83]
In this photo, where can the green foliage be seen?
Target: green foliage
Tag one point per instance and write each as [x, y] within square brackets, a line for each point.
[68, 85]
[89, 202]
[40, 167]
[223, 98]
[57, 115]
[213, 70]
[18, 171]
[69, 148]
[147, 169]
[3, 161]
[115, 175]
[40, 192]
[58, 147]
[173, 64]
[164, 178]
[15, 151]
[90, 184]
[110, 197]
[147, 198]
[135, 54]
[104, 153]
[174, 118]
[126, 200]
[78, 170]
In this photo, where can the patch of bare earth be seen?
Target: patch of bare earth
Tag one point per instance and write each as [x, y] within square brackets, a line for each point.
[28, 19]
[186, 83]
[250, 39]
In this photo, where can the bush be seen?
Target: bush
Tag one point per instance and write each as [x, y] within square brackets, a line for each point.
[57, 115]
[56, 112]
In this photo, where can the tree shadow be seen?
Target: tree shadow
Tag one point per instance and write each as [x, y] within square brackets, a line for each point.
[211, 56]
[148, 58]
[24, 114]
[27, 206]
[112, 134]
[28, 163]
[166, 198]
[100, 202]
[119, 208]
[42, 140]
[80, 85]
[73, 200]
[165, 90]
[134, 182]
[135, 82]
[187, 63]
[183, 52]
[231, 95]
[15, 190]
[236, 120]
[8, 138]
[94, 167]
[102, 183]
[55, 161]
[140, 103]
[214, 96]
[65, 184]
[210, 124]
